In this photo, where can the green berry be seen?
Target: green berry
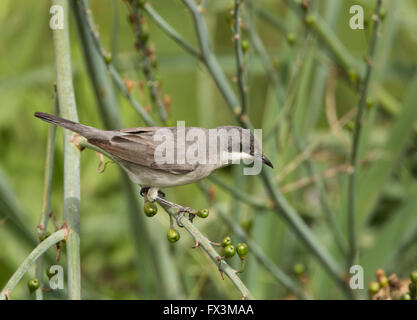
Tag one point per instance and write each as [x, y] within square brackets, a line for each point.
[310, 21]
[226, 241]
[405, 296]
[384, 282]
[44, 235]
[244, 45]
[150, 209]
[353, 76]
[107, 57]
[246, 224]
[370, 102]
[298, 269]
[229, 251]
[374, 287]
[144, 37]
[173, 235]
[412, 288]
[350, 126]
[203, 213]
[383, 13]
[276, 63]
[50, 274]
[33, 285]
[291, 38]
[413, 276]
[242, 250]
[141, 3]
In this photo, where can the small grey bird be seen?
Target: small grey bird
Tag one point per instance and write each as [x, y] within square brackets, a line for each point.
[134, 150]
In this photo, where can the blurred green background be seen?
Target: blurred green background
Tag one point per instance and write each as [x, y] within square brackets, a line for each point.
[386, 184]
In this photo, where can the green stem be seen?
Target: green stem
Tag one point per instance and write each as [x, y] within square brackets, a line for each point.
[210, 60]
[236, 193]
[54, 238]
[239, 58]
[47, 191]
[257, 252]
[355, 143]
[170, 31]
[329, 214]
[281, 206]
[68, 110]
[207, 246]
[146, 62]
[166, 278]
[83, 9]
[266, 60]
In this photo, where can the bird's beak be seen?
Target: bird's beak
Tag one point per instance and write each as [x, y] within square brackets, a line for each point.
[267, 162]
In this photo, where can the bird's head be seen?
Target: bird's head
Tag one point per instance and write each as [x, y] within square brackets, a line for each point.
[241, 145]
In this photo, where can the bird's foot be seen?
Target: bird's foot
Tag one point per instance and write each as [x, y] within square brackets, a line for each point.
[181, 209]
[144, 191]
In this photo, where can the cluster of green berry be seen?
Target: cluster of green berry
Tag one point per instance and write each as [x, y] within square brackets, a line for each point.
[412, 288]
[173, 235]
[229, 250]
[391, 288]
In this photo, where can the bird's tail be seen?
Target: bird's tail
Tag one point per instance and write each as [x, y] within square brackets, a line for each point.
[85, 131]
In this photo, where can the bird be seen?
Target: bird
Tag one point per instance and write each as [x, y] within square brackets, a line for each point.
[136, 150]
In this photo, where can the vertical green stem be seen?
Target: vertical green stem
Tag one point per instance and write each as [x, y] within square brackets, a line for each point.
[355, 144]
[146, 61]
[166, 275]
[239, 58]
[47, 192]
[68, 110]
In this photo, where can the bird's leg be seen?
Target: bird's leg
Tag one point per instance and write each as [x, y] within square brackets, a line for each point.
[144, 191]
[154, 194]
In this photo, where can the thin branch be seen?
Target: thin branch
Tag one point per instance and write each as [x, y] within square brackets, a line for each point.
[292, 165]
[281, 206]
[166, 278]
[356, 137]
[68, 110]
[111, 68]
[236, 193]
[266, 60]
[324, 202]
[147, 58]
[53, 239]
[210, 60]
[47, 190]
[207, 246]
[170, 31]
[257, 252]
[237, 38]
[265, 15]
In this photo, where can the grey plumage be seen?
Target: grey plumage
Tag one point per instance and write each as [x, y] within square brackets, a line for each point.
[134, 148]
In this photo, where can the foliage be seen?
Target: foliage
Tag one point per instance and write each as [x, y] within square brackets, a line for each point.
[299, 72]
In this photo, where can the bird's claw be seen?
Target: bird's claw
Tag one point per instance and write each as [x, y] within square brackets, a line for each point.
[191, 217]
[178, 219]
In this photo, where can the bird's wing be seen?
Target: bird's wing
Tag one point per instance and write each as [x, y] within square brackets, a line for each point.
[137, 145]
